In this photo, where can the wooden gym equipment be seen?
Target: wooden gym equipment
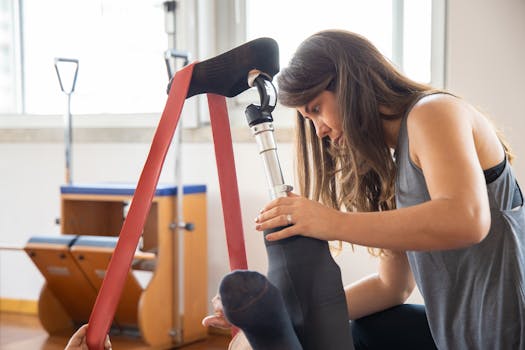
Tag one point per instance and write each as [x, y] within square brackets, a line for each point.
[74, 264]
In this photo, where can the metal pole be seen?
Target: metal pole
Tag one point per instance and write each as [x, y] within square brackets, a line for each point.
[178, 241]
[68, 130]
[68, 137]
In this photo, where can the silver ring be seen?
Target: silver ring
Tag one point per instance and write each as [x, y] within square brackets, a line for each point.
[289, 219]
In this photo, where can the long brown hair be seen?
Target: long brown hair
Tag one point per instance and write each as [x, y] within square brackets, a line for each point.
[360, 174]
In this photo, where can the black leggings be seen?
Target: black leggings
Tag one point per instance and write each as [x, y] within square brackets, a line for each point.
[309, 279]
[300, 305]
[400, 327]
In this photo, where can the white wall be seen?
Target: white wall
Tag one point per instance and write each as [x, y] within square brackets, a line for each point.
[486, 63]
[33, 173]
[485, 57]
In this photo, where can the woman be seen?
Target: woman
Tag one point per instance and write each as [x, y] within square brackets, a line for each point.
[389, 163]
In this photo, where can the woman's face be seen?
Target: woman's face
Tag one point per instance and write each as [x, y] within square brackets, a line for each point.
[324, 114]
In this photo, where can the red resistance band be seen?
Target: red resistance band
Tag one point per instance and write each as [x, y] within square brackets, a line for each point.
[108, 297]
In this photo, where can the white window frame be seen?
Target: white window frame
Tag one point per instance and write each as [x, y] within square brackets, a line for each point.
[438, 37]
[437, 45]
[438, 60]
[212, 27]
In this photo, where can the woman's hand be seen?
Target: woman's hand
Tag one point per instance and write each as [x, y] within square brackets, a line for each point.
[78, 340]
[217, 319]
[301, 216]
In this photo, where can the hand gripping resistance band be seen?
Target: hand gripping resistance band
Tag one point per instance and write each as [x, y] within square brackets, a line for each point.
[223, 75]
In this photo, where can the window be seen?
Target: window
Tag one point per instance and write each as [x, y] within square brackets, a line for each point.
[417, 34]
[293, 21]
[9, 56]
[400, 29]
[403, 30]
[120, 45]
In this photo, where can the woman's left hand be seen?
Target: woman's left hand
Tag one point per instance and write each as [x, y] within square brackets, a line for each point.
[299, 216]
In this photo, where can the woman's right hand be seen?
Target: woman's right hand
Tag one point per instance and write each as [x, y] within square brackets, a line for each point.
[217, 319]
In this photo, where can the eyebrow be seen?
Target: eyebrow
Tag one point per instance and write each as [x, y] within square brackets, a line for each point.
[307, 106]
[306, 109]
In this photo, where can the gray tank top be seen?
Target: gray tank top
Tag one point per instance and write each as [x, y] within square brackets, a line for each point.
[475, 296]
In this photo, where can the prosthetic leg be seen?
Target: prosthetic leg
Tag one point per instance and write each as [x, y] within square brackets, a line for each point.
[301, 268]
[302, 275]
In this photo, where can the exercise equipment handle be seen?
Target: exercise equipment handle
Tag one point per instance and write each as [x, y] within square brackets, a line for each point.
[73, 83]
[68, 130]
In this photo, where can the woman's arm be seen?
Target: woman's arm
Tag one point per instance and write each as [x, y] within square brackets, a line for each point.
[458, 215]
[391, 286]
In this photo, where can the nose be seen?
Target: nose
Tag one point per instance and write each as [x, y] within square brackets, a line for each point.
[321, 129]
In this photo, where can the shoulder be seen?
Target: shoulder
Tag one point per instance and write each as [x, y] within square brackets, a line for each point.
[439, 108]
[437, 120]
[438, 113]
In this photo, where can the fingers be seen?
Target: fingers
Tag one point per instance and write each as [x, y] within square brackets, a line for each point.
[217, 304]
[274, 211]
[78, 340]
[284, 233]
[78, 337]
[277, 221]
[282, 201]
[281, 212]
[217, 321]
[107, 343]
[81, 332]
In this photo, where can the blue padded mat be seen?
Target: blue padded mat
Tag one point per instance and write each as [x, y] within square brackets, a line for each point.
[96, 241]
[126, 189]
[67, 240]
